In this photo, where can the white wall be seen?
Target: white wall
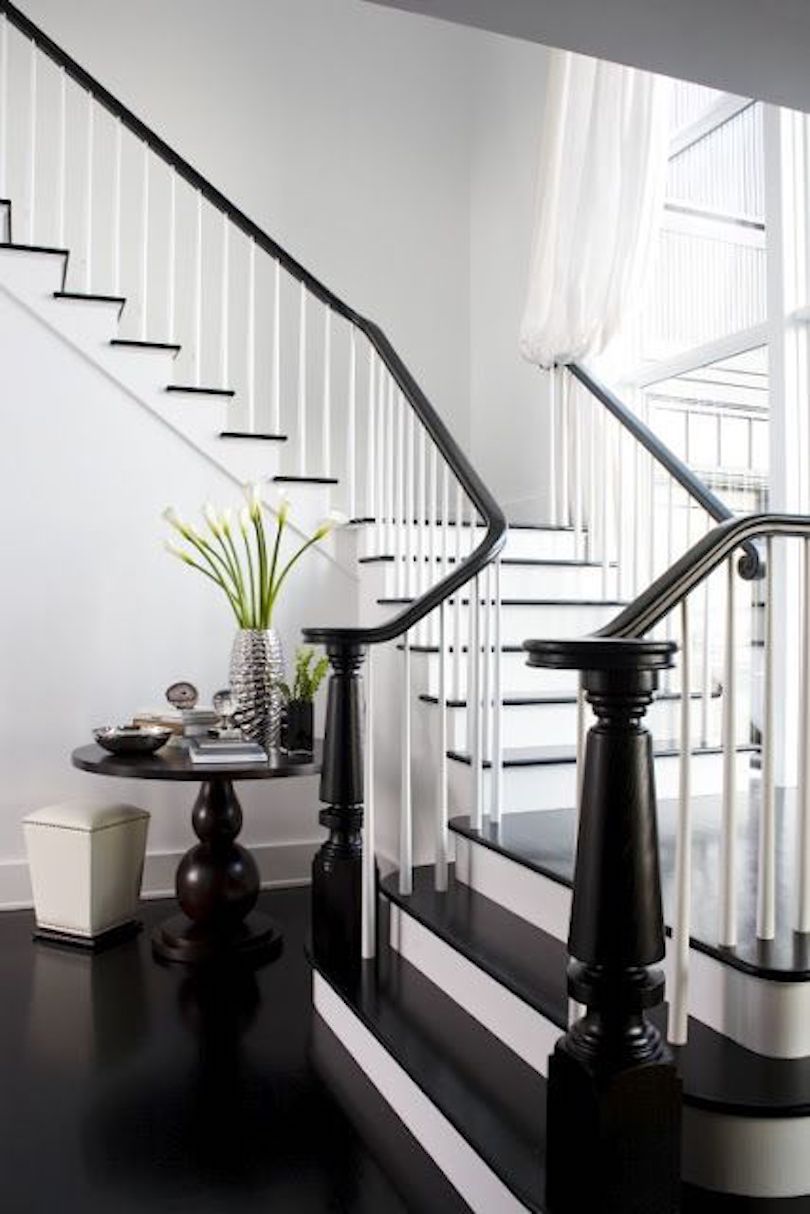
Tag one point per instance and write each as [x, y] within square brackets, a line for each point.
[96, 619]
[508, 395]
[340, 128]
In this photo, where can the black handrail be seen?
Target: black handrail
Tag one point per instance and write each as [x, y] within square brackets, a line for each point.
[750, 564]
[465, 474]
[668, 590]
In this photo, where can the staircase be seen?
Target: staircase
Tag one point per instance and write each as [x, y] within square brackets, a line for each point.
[454, 777]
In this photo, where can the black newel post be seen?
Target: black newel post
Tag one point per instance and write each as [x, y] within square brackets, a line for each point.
[614, 1096]
[337, 867]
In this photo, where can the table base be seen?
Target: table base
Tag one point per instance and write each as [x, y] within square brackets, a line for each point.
[254, 941]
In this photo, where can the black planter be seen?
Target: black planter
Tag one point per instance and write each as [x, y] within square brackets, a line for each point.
[300, 728]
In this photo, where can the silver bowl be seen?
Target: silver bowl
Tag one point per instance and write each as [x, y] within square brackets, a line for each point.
[132, 739]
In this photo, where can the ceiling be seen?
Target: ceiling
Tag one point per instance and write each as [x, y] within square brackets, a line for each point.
[757, 48]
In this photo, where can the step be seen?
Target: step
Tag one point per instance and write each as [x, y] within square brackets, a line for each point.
[33, 272]
[520, 578]
[757, 993]
[116, 302]
[522, 618]
[89, 319]
[517, 675]
[476, 1107]
[552, 719]
[544, 777]
[510, 976]
[525, 542]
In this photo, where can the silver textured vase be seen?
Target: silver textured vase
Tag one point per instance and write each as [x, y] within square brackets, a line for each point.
[257, 666]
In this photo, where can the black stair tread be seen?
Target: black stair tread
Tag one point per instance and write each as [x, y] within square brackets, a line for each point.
[198, 391]
[491, 1097]
[529, 561]
[135, 344]
[510, 602]
[717, 1073]
[270, 438]
[543, 841]
[528, 701]
[464, 649]
[523, 958]
[541, 756]
[16, 247]
[89, 297]
[306, 480]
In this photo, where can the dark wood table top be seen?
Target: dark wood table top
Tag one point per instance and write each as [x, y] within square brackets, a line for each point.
[174, 764]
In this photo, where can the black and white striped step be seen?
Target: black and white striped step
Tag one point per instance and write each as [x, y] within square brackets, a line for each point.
[510, 976]
[758, 993]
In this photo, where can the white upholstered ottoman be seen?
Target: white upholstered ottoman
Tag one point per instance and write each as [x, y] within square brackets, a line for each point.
[86, 864]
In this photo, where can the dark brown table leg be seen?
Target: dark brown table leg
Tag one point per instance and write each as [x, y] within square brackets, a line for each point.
[217, 886]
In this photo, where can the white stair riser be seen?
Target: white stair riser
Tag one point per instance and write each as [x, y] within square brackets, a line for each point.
[517, 581]
[86, 320]
[770, 1018]
[516, 676]
[31, 276]
[552, 785]
[556, 723]
[519, 622]
[721, 1152]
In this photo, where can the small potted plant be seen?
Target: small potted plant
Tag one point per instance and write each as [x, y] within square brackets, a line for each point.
[300, 700]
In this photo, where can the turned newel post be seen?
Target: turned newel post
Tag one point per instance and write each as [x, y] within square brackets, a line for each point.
[337, 866]
[614, 1095]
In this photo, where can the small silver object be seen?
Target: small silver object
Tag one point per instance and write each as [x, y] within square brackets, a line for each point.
[131, 739]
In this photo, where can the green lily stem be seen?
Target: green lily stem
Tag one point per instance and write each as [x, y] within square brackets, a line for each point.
[274, 564]
[251, 581]
[313, 540]
[187, 560]
[264, 609]
[212, 558]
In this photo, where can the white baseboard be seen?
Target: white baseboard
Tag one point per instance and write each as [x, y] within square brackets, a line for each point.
[279, 864]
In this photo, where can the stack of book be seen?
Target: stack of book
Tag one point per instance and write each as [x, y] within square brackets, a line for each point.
[210, 751]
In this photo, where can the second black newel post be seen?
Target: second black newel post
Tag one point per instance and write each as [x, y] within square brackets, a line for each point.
[614, 1096]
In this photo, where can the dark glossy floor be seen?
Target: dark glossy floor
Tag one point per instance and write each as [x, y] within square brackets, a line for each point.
[128, 1088]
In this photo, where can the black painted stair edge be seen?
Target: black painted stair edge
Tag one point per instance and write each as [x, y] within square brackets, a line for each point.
[460, 825]
[90, 297]
[131, 343]
[306, 480]
[510, 602]
[193, 390]
[267, 438]
[552, 698]
[493, 1099]
[546, 756]
[719, 1075]
[529, 561]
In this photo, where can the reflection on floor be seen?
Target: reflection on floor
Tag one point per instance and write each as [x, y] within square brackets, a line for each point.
[131, 1087]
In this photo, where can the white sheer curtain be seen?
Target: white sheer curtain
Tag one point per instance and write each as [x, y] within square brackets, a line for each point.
[600, 191]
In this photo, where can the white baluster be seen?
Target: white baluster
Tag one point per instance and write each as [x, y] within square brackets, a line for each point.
[369, 909]
[577, 492]
[225, 292]
[400, 497]
[275, 388]
[302, 381]
[486, 666]
[552, 446]
[250, 335]
[88, 217]
[410, 506]
[603, 463]
[728, 841]
[766, 875]
[32, 142]
[4, 106]
[474, 704]
[802, 877]
[326, 411]
[421, 515]
[390, 467]
[406, 789]
[679, 997]
[198, 269]
[171, 258]
[116, 219]
[706, 665]
[618, 505]
[442, 813]
[592, 478]
[145, 246]
[564, 512]
[351, 428]
[496, 773]
[371, 498]
[457, 620]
